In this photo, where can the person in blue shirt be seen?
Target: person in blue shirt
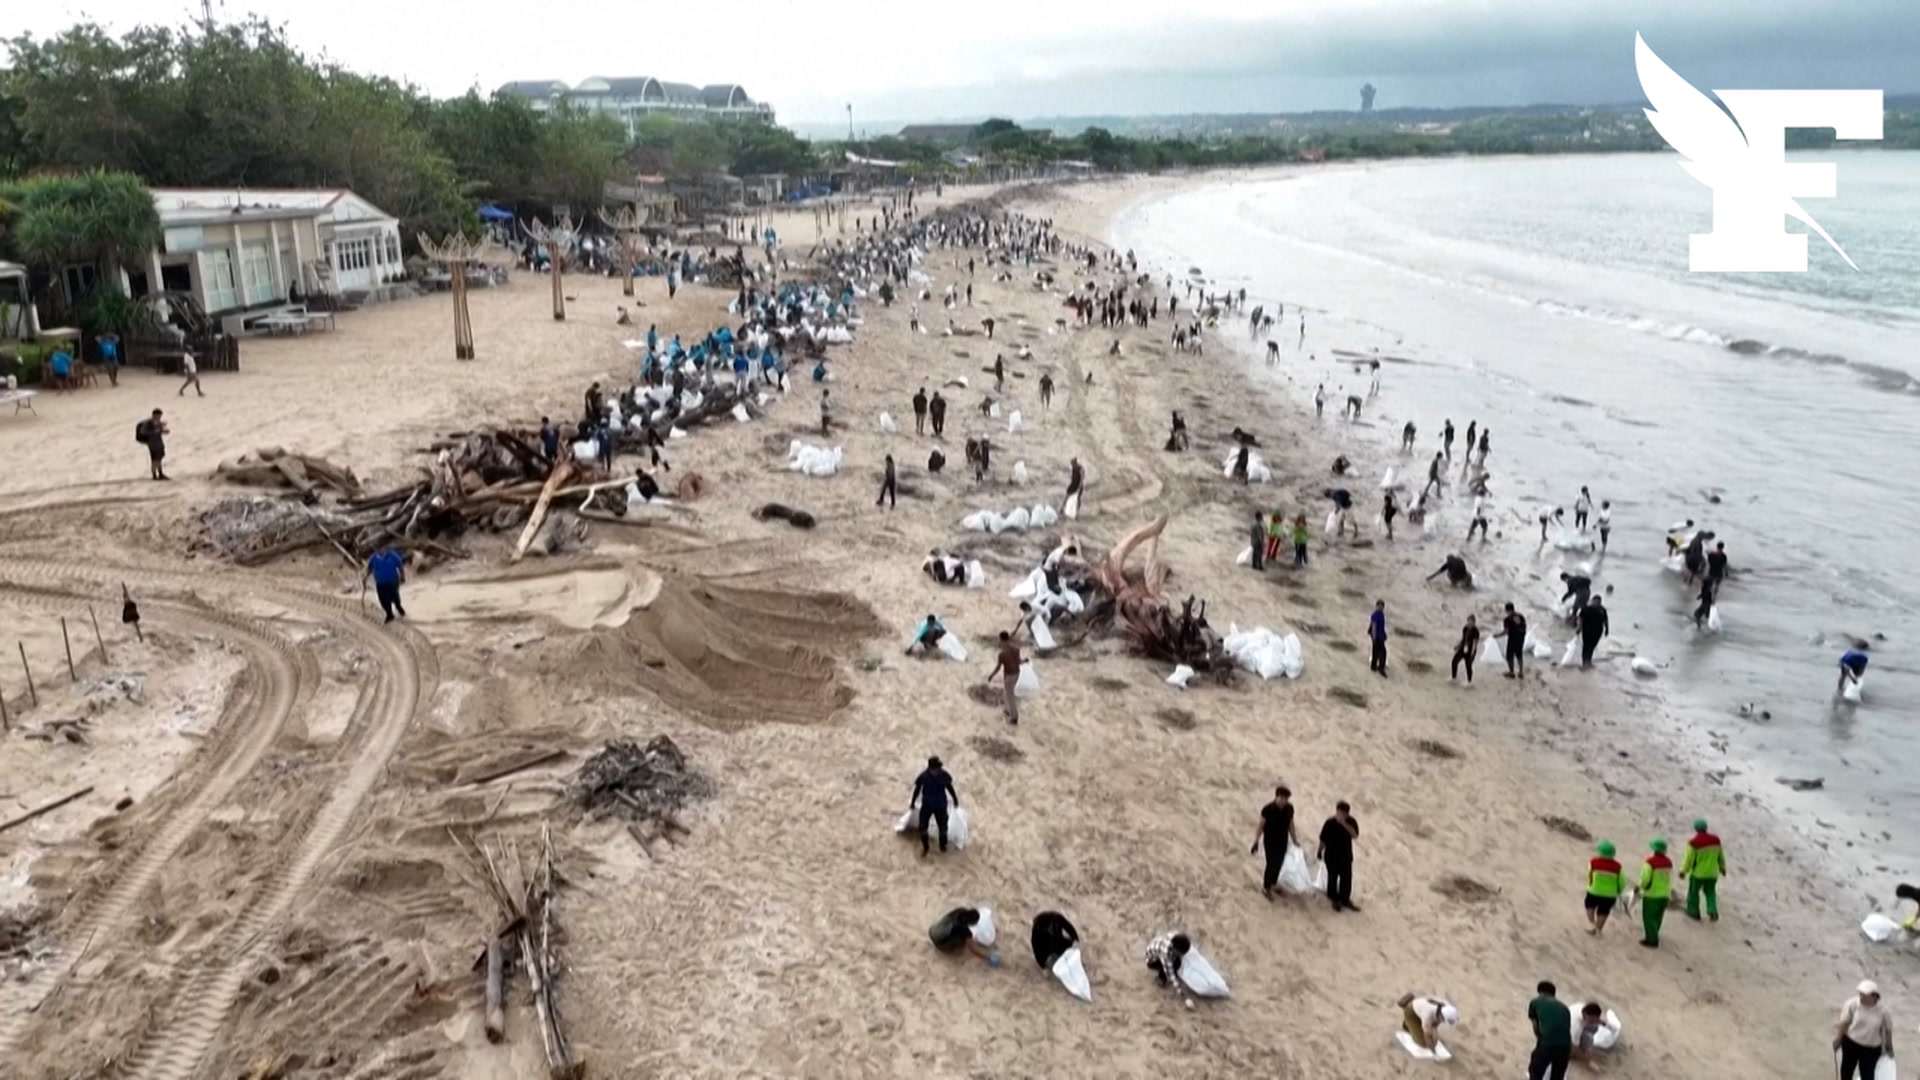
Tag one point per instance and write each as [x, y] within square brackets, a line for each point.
[109, 346]
[742, 372]
[549, 440]
[820, 371]
[61, 365]
[1377, 633]
[653, 339]
[1853, 665]
[388, 569]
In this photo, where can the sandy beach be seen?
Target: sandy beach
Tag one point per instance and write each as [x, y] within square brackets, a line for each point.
[281, 896]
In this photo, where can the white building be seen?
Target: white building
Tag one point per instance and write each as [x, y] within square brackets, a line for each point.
[630, 99]
[252, 247]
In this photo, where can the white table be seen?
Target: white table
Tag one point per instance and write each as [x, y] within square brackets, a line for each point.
[21, 399]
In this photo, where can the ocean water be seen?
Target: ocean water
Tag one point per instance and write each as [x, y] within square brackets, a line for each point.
[1549, 298]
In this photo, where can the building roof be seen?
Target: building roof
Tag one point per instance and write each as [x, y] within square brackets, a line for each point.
[725, 96]
[680, 93]
[195, 205]
[533, 88]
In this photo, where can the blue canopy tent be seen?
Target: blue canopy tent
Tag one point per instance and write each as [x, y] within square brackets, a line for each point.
[490, 212]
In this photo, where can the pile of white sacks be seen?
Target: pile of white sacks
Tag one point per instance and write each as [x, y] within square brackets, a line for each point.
[1020, 519]
[813, 460]
[1264, 652]
[1257, 470]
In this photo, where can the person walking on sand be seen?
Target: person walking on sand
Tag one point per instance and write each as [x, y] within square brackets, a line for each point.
[1337, 835]
[1046, 390]
[1377, 634]
[1605, 523]
[1473, 426]
[1479, 520]
[1582, 507]
[1275, 833]
[1486, 436]
[888, 492]
[1320, 401]
[1863, 1034]
[1604, 877]
[1007, 666]
[1301, 534]
[1276, 532]
[1257, 542]
[937, 415]
[1702, 867]
[1513, 627]
[1076, 480]
[932, 789]
[1434, 482]
[1593, 627]
[191, 370]
[388, 569]
[1466, 650]
[152, 432]
[1552, 1035]
[1388, 511]
[1656, 888]
[826, 413]
[1406, 438]
[1446, 439]
[920, 411]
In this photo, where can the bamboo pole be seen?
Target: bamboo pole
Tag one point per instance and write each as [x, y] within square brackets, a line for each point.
[97, 639]
[31, 692]
[6, 718]
[66, 641]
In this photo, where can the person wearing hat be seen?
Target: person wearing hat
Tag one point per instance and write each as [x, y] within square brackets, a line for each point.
[1702, 867]
[1603, 886]
[1864, 1033]
[1656, 888]
[1423, 1016]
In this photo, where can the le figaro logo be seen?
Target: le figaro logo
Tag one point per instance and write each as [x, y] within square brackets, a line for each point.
[1743, 158]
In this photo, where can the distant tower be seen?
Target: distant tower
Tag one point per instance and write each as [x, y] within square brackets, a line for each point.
[1366, 98]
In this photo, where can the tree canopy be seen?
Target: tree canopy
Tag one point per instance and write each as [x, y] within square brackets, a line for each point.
[96, 217]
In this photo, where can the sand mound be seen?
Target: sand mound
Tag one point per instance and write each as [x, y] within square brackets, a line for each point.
[729, 657]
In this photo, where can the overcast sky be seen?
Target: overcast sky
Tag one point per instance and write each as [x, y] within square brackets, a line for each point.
[1023, 58]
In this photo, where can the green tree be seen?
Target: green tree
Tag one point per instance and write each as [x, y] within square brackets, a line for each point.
[97, 217]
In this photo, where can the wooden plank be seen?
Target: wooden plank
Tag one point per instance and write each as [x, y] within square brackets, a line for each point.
[48, 808]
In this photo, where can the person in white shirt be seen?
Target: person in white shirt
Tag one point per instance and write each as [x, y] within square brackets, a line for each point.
[1863, 1034]
[1479, 518]
[1582, 507]
[1605, 524]
[192, 372]
[1423, 1016]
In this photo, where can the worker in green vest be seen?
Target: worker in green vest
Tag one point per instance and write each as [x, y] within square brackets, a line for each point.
[1656, 888]
[1702, 866]
[1603, 886]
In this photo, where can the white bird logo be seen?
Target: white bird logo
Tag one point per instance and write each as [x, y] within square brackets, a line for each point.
[1703, 132]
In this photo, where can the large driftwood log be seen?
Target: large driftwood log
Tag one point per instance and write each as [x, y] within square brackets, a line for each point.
[561, 472]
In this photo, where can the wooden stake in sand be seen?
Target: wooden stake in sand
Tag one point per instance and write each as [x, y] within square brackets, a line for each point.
[559, 239]
[47, 809]
[31, 692]
[496, 991]
[97, 639]
[456, 253]
[629, 242]
[6, 718]
[68, 642]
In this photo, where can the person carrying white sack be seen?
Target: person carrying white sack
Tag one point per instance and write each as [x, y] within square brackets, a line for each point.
[1164, 957]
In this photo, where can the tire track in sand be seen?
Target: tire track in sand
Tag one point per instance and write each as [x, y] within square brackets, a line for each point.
[186, 1026]
[277, 677]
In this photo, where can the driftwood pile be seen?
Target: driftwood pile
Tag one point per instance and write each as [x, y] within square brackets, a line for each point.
[1134, 602]
[638, 783]
[528, 938]
[273, 467]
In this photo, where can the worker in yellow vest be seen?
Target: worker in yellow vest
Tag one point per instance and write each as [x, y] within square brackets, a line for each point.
[1656, 888]
[1603, 886]
[1703, 866]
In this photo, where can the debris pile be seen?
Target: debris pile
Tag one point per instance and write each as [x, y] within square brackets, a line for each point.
[1147, 619]
[637, 783]
[273, 467]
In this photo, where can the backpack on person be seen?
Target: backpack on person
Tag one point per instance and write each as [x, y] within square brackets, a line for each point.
[143, 432]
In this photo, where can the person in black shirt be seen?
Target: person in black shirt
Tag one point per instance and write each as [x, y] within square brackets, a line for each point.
[1276, 832]
[888, 487]
[1717, 564]
[1053, 935]
[1468, 648]
[1457, 573]
[937, 413]
[1593, 627]
[920, 412]
[1578, 588]
[954, 932]
[1446, 439]
[931, 789]
[1336, 854]
[1514, 629]
[549, 440]
[1388, 509]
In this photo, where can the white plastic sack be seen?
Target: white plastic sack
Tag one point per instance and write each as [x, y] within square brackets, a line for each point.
[975, 522]
[1886, 1070]
[1879, 928]
[1714, 625]
[1572, 655]
[1043, 516]
[908, 822]
[1320, 877]
[1609, 1034]
[1200, 976]
[1491, 652]
[983, 931]
[1853, 691]
[957, 823]
[1391, 480]
[1020, 519]
[1073, 974]
[1258, 472]
[1072, 507]
[1015, 423]
[1421, 1053]
[993, 410]
[1294, 875]
[1020, 472]
[886, 423]
[1245, 558]
[1333, 524]
[1029, 586]
[585, 450]
[1644, 667]
[976, 575]
[741, 414]
[951, 647]
[1542, 651]
[1042, 634]
[1028, 684]
[1180, 676]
